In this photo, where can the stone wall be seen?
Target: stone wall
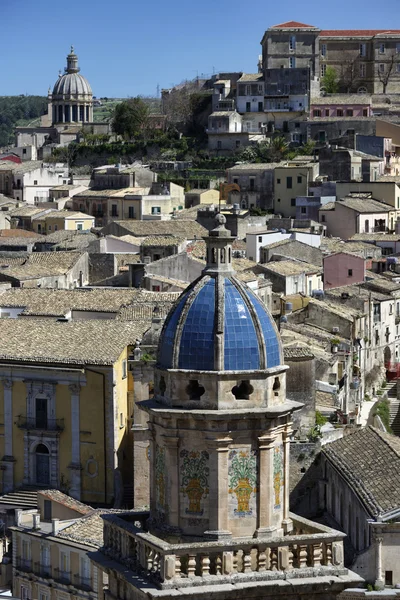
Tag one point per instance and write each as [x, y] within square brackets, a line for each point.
[101, 267]
[305, 477]
[300, 386]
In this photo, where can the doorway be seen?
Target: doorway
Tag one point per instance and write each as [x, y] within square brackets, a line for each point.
[42, 465]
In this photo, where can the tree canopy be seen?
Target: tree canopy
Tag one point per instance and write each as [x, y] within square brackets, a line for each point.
[131, 118]
[18, 108]
[330, 81]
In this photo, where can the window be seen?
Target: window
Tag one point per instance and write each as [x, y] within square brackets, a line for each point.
[297, 125]
[381, 68]
[398, 48]
[237, 143]
[47, 510]
[156, 210]
[365, 112]
[49, 228]
[260, 238]
[124, 370]
[323, 49]
[289, 182]
[381, 48]
[260, 89]
[292, 62]
[323, 70]
[350, 273]
[85, 570]
[24, 593]
[293, 202]
[219, 145]
[323, 218]
[327, 112]
[316, 112]
[79, 226]
[114, 212]
[39, 228]
[349, 112]
[362, 90]
[362, 70]
[64, 563]
[292, 42]
[35, 182]
[299, 179]
[55, 227]
[131, 212]
[252, 184]
[248, 106]
[260, 107]
[304, 210]
[388, 577]
[121, 420]
[278, 180]
[363, 49]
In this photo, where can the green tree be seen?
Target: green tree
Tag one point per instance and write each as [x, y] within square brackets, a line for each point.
[330, 81]
[131, 118]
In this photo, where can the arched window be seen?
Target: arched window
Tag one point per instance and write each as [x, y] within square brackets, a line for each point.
[362, 90]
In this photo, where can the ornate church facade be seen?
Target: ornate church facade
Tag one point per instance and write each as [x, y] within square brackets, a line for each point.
[220, 425]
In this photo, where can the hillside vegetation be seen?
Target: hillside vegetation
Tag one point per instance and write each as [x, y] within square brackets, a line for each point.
[19, 110]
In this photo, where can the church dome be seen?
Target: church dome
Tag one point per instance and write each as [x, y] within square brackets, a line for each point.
[72, 84]
[218, 324]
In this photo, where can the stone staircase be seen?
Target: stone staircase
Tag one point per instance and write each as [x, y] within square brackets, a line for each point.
[394, 408]
[22, 498]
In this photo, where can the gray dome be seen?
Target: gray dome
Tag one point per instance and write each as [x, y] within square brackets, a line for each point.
[72, 84]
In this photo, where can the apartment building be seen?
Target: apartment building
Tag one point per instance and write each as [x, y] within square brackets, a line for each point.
[366, 61]
[292, 180]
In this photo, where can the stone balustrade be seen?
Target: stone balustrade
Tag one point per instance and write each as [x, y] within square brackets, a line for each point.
[312, 550]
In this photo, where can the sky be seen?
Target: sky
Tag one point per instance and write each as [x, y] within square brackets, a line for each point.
[128, 48]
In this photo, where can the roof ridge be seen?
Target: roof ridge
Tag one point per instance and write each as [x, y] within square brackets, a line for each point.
[382, 435]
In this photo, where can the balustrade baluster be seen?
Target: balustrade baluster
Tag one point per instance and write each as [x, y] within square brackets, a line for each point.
[191, 565]
[149, 558]
[218, 564]
[302, 556]
[177, 566]
[328, 554]
[316, 554]
[205, 565]
[262, 560]
[290, 558]
[273, 559]
[235, 562]
[246, 561]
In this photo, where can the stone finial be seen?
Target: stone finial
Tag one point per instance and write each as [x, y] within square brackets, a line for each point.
[137, 352]
[220, 221]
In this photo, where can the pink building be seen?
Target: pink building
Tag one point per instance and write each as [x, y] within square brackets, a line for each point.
[342, 268]
[342, 105]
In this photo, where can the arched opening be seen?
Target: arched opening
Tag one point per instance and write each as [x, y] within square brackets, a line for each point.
[362, 90]
[195, 390]
[222, 255]
[243, 391]
[230, 255]
[277, 386]
[213, 256]
[387, 355]
[163, 386]
[42, 456]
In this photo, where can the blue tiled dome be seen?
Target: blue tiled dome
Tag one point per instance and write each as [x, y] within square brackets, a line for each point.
[219, 307]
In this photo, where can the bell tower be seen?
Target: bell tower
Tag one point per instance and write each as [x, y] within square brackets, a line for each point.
[220, 422]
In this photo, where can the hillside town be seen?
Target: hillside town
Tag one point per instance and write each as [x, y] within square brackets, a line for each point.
[199, 368]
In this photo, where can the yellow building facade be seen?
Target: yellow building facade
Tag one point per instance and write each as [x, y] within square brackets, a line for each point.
[66, 220]
[65, 407]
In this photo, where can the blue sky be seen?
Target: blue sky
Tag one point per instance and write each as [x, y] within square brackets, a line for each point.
[127, 47]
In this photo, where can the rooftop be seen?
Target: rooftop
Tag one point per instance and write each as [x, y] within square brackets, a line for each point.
[255, 167]
[19, 233]
[363, 203]
[292, 25]
[38, 264]
[342, 99]
[179, 228]
[92, 342]
[251, 77]
[357, 32]
[369, 461]
[66, 500]
[375, 237]
[162, 240]
[291, 267]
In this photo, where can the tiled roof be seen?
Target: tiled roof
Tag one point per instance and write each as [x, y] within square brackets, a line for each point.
[251, 77]
[224, 113]
[25, 211]
[39, 264]
[179, 228]
[140, 311]
[160, 240]
[293, 352]
[356, 32]
[369, 461]
[331, 245]
[92, 342]
[376, 237]
[169, 280]
[292, 24]
[291, 267]
[19, 233]
[278, 243]
[364, 204]
[67, 214]
[255, 167]
[19, 241]
[66, 500]
[25, 167]
[196, 191]
[87, 530]
[342, 99]
[98, 193]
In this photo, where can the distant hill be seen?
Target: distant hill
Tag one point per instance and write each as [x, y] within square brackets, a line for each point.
[19, 110]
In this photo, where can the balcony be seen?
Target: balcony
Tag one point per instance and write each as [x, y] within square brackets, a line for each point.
[83, 583]
[114, 214]
[309, 548]
[42, 570]
[31, 423]
[24, 564]
[62, 576]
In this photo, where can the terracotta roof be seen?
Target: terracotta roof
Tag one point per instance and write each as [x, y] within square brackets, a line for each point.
[362, 203]
[369, 461]
[356, 32]
[290, 25]
[251, 77]
[291, 267]
[92, 342]
[180, 228]
[297, 352]
[19, 233]
[39, 264]
[161, 241]
[66, 500]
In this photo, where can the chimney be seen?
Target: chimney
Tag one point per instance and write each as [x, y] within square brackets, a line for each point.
[36, 521]
[18, 515]
[54, 526]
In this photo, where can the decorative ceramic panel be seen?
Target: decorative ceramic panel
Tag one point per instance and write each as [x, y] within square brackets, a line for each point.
[194, 473]
[278, 477]
[242, 477]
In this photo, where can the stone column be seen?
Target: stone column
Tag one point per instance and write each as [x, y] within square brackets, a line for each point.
[75, 465]
[219, 488]
[287, 523]
[8, 460]
[380, 582]
[171, 444]
[265, 486]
